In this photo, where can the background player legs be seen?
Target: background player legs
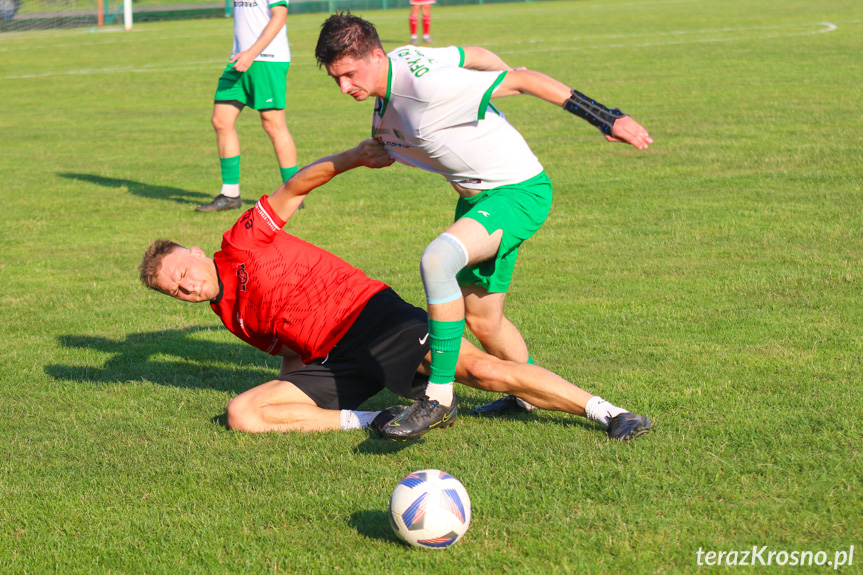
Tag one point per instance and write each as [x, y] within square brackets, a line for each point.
[414, 18]
[427, 23]
[228, 143]
[224, 122]
[276, 128]
[412, 22]
[484, 318]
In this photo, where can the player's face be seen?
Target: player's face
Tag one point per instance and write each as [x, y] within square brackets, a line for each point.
[188, 275]
[361, 77]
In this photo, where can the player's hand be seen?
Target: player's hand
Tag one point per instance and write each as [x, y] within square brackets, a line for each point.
[373, 154]
[243, 61]
[631, 132]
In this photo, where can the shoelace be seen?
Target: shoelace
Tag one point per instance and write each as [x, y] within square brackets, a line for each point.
[426, 407]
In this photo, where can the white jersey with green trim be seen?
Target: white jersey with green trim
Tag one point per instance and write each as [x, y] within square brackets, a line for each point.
[437, 116]
[250, 19]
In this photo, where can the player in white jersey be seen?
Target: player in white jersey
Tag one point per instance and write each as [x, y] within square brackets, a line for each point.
[438, 116]
[433, 111]
[256, 77]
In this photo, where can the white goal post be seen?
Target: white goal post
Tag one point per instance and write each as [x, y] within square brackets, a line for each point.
[127, 14]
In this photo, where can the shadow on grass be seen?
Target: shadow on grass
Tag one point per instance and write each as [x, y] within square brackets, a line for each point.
[539, 416]
[166, 193]
[176, 358]
[221, 420]
[168, 357]
[374, 444]
[374, 525]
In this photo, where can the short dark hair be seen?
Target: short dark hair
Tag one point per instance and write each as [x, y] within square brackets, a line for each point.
[345, 35]
[152, 261]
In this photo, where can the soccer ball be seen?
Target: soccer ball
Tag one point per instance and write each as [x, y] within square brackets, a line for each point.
[430, 508]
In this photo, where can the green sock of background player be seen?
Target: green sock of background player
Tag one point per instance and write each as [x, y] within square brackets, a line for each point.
[230, 176]
[288, 172]
[286, 175]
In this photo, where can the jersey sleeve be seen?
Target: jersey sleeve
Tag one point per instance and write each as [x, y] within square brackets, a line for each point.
[459, 96]
[279, 3]
[256, 228]
[450, 55]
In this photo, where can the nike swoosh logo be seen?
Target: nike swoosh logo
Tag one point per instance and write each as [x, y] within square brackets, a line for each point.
[423, 339]
[444, 419]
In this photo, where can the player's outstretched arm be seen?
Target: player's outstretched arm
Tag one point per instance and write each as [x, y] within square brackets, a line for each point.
[476, 58]
[614, 124]
[287, 199]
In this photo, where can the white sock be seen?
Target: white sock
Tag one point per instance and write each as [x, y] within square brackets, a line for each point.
[440, 392]
[527, 406]
[356, 419]
[231, 190]
[600, 411]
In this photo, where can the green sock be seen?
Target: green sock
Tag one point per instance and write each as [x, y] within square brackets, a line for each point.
[230, 170]
[288, 172]
[445, 342]
[530, 360]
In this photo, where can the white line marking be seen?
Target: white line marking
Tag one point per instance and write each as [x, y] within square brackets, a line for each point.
[822, 28]
[121, 69]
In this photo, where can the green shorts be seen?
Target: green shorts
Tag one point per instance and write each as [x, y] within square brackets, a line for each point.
[261, 87]
[519, 210]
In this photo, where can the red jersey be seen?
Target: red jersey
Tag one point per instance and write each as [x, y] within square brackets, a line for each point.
[277, 290]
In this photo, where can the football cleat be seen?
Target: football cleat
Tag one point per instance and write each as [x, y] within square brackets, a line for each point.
[628, 426]
[420, 418]
[509, 405]
[221, 203]
[386, 416]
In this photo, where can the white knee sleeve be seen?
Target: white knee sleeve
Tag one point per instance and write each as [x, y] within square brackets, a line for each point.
[441, 261]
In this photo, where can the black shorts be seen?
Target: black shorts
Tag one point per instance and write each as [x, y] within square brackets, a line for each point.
[382, 349]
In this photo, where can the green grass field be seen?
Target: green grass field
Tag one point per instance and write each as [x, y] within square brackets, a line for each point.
[712, 283]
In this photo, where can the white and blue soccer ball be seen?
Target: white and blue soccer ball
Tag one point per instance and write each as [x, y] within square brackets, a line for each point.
[430, 508]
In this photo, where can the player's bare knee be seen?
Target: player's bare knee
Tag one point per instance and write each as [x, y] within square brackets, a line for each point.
[240, 416]
[220, 124]
[274, 128]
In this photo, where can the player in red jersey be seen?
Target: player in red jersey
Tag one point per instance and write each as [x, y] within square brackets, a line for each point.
[342, 336]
